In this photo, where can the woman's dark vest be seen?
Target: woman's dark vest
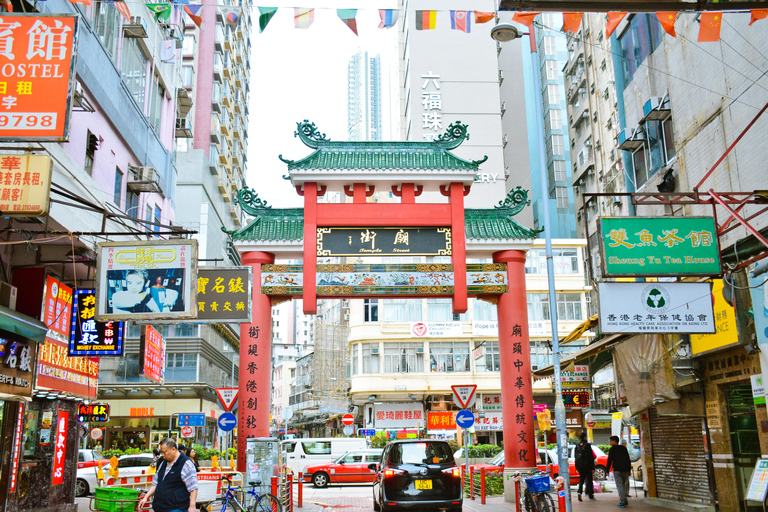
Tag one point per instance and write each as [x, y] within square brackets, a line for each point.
[171, 492]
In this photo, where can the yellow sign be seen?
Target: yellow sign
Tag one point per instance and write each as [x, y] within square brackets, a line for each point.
[25, 185]
[725, 322]
[713, 414]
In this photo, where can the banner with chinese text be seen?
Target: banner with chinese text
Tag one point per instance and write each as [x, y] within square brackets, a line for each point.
[77, 376]
[57, 308]
[25, 185]
[725, 325]
[404, 415]
[441, 420]
[152, 355]
[60, 450]
[90, 337]
[17, 361]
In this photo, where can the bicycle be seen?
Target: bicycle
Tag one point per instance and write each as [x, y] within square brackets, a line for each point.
[536, 497]
[259, 502]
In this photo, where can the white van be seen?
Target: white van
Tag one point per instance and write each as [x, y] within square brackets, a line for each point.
[301, 452]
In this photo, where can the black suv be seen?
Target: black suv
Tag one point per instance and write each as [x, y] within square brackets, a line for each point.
[417, 475]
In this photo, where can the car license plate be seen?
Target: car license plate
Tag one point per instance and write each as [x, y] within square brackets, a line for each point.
[423, 484]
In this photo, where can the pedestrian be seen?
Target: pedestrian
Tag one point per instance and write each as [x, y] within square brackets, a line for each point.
[193, 456]
[585, 465]
[174, 486]
[618, 458]
[183, 448]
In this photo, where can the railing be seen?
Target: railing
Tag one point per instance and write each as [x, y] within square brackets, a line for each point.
[480, 483]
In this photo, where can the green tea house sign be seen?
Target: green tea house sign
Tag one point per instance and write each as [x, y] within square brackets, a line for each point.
[659, 246]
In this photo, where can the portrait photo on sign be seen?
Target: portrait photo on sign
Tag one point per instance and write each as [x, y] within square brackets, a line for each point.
[145, 290]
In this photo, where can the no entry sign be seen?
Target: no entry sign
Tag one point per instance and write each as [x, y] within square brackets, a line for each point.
[348, 419]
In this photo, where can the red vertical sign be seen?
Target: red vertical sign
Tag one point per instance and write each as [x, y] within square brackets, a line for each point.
[152, 355]
[60, 452]
[58, 308]
[17, 447]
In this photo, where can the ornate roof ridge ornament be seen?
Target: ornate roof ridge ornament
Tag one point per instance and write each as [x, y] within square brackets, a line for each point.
[250, 202]
[453, 136]
[515, 202]
[309, 134]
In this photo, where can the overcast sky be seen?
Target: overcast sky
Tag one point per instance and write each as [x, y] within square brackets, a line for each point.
[301, 74]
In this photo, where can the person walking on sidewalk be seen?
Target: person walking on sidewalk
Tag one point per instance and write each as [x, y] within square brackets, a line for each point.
[618, 458]
[174, 486]
[585, 465]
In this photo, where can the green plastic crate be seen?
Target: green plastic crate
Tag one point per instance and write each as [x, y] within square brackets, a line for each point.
[116, 499]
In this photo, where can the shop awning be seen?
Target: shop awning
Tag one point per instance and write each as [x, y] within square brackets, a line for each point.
[22, 325]
[583, 327]
[596, 355]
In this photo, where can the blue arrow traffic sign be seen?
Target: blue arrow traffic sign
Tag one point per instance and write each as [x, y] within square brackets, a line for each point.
[227, 421]
[465, 418]
[191, 419]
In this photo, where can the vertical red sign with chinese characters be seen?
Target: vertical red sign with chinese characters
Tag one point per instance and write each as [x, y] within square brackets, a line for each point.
[60, 452]
[152, 354]
[37, 65]
[58, 309]
[17, 446]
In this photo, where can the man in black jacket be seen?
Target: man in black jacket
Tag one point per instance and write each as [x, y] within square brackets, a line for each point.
[618, 458]
[585, 465]
[175, 483]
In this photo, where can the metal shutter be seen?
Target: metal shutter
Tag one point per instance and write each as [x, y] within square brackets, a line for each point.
[680, 464]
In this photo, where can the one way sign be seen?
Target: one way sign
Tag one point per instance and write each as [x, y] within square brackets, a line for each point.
[227, 397]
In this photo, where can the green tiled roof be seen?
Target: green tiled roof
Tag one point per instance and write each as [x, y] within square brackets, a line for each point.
[494, 224]
[273, 225]
[382, 155]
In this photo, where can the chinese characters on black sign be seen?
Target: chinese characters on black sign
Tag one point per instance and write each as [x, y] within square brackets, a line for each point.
[89, 337]
[224, 294]
[384, 241]
[16, 363]
[93, 412]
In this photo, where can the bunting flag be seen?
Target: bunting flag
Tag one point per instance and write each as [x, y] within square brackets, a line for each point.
[483, 16]
[180, 2]
[231, 15]
[265, 15]
[303, 18]
[572, 21]
[162, 11]
[667, 20]
[348, 17]
[388, 18]
[122, 7]
[195, 13]
[614, 18]
[460, 20]
[84, 2]
[758, 14]
[525, 18]
[709, 31]
[7, 4]
[426, 20]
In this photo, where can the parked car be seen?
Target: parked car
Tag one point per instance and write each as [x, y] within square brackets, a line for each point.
[89, 458]
[417, 475]
[129, 466]
[309, 451]
[548, 461]
[601, 462]
[350, 468]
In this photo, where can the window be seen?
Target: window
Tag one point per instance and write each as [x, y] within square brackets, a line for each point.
[565, 261]
[484, 311]
[188, 47]
[568, 306]
[91, 145]
[555, 119]
[561, 195]
[370, 357]
[549, 45]
[158, 217]
[640, 166]
[551, 66]
[439, 310]
[148, 217]
[317, 448]
[638, 41]
[118, 196]
[448, 356]
[559, 170]
[185, 330]
[134, 70]
[538, 306]
[402, 310]
[492, 362]
[403, 357]
[132, 204]
[188, 76]
[551, 20]
[355, 354]
[558, 148]
[106, 25]
[553, 94]
[669, 140]
[156, 106]
[370, 310]
[536, 262]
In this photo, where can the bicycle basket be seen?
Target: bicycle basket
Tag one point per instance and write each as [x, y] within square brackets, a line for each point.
[538, 483]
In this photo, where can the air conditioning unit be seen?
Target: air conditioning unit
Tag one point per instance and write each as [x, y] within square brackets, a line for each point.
[420, 350]
[375, 350]
[137, 28]
[8, 294]
[630, 140]
[143, 179]
[656, 108]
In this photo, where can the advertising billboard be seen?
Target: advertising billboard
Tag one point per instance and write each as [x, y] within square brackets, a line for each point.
[25, 185]
[146, 280]
[224, 294]
[57, 309]
[89, 337]
[152, 355]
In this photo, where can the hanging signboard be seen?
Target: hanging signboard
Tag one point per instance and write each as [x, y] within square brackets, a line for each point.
[17, 361]
[726, 333]
[147, 280]
[656, 308]
[18, 435]
[402, 415]
[60, 450]
[89, 337]
[576, 398]
[98, 413]
[578, 378]
[57, 308]
[152, 355]
[758, 484]
[379, 241]
[224, 294]
[38, 66]
[441, 420]
[25, 184]
[78, 376]
[659, 246]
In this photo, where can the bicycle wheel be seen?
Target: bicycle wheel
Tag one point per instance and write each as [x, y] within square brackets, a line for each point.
[545, 502]
[267, 503]
[528, 502]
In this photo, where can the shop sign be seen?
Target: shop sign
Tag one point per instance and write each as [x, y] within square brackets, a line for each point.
[573, 419]
[38, 63]
[25, 184]
[491, 422]
[478, 352]
[659, 246]
[758, 484]
[485, 328]
[97, 433]
[76, 375]
[381, 241]
[90, 337]
[436, 329]
[224, 294]
[538, 328]
[576, 398]
[98, 413]
[152, 355]
[645, 308]
[441, 420]
[60, 450]
[16, 360]
[578, 378]
[725, 325]
[404, 415]
[758, 289]
[490, 402]
[141, 412]
[758, 389]
[153, 280]
[713, 414]
[17, 446]
[57, 309]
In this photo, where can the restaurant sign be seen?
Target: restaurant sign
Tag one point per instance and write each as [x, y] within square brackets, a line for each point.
[659, 246]
[384, 241]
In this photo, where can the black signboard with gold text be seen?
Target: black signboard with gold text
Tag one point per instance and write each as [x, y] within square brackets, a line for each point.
[224, 294]
[378, 241]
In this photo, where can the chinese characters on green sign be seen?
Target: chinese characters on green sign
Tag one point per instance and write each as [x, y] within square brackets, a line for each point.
[659, 246]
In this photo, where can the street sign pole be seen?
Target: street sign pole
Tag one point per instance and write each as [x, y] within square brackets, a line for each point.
[466, 456]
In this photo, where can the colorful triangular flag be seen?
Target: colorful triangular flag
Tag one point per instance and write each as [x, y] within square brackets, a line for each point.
[572, 21]
[195, 12]
[709, 31]
[426, 20]
[162, 11]
[123, 8]
[303, 18]
[483, 16]
[231, 15]
[388, 18]
[348, 17]
[265, 15]
[758, 14]
[614, 18]
[180, 2]
[461, 20]
[7, 4]
[525, 18]
[84, 2]
[667, 20]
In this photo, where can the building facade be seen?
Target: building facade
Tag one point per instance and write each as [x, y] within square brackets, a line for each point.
[364, 97]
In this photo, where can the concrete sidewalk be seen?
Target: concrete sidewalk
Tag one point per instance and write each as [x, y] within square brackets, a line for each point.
[603, 502]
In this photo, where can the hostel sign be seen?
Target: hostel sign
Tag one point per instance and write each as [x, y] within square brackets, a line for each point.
[659, 246]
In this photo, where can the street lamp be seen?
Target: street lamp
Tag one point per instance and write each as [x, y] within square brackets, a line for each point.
[504, 32]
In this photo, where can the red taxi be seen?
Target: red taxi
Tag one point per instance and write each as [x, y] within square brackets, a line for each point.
[350, 468]
[90, 458]
[548, 462]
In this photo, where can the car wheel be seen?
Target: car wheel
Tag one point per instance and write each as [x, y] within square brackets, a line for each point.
[320, 479]
[600, 473]
[376, 506]
[81, 488]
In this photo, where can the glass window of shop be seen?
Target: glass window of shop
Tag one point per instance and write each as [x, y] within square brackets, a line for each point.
[449, 356]
[403, 357]
[180, 367]
[370, 357]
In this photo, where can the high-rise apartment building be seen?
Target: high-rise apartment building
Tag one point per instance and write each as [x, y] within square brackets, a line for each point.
[364, 82]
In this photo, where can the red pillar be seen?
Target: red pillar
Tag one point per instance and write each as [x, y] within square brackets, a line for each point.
[255, 362]
[459, 258]
[310, 249]
[515, 359]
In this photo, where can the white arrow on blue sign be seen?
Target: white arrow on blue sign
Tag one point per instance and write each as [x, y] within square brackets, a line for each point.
[227, 421]
[465, 418]
[191, 419]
